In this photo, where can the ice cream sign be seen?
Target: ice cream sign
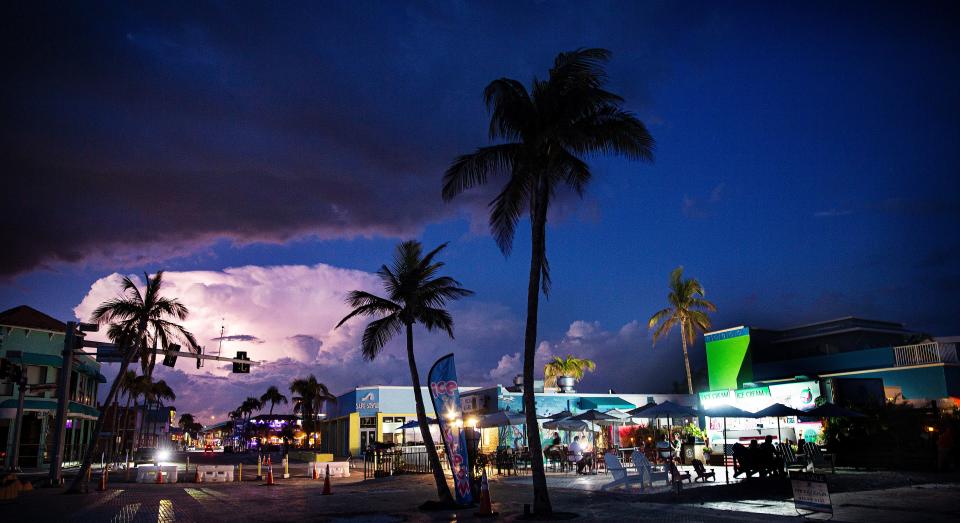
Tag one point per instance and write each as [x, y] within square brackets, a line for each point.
[799, 395]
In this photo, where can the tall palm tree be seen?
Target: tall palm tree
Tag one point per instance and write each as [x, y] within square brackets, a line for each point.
[415, 294]
[309, 400]
[186, 424]
[570, 366]
[139, 320]
[545, 133]
[161, 393]
[688, 309]
[273, 396]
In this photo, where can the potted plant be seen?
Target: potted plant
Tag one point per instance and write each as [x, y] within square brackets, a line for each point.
[565, 372]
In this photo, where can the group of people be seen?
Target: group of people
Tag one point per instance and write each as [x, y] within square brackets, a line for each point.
[757, 458]
[579, 452]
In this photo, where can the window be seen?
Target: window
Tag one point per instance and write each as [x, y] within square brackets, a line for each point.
[36, 375]
[368, 422]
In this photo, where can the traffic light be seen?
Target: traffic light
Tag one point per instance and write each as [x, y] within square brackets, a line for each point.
[241, 368]
[171, 360]
[200, 361]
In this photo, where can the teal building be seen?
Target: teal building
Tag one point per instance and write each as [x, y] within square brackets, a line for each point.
[35, 340]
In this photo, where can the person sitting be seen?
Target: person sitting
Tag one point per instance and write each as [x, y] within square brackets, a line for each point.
[677, 446]
[576, 450]
[664, 450]
[555, 441]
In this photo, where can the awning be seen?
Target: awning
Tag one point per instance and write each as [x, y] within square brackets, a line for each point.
[86, 367]
[51, 405]
[605, 403]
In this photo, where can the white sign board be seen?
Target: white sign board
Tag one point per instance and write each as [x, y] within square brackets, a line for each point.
[810, 492]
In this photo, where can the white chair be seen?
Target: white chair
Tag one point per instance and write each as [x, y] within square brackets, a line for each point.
[619, 473]
[645, 468]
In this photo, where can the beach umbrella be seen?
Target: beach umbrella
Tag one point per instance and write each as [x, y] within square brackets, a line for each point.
[501, 418]
[832, 410]
[637, 411]
[727, 411]
[778, 410]
[413, 424]
[569, 425]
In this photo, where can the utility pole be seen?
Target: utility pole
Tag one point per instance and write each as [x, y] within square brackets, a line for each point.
[63, 398]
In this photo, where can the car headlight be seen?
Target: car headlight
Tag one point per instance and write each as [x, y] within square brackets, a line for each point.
[163, 455]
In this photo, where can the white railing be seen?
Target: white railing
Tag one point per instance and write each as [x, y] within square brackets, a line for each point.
[921, 353]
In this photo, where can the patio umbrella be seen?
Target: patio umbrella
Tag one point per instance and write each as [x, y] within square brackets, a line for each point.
[778, 410]
[667, 409]
[501, 418]
[560, 415]
[569, 425]
[593, 416]
[727, 411]
[413, 424]
[636, 412]
[832, 410]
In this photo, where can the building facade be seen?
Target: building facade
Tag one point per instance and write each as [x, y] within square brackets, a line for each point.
[35, 340]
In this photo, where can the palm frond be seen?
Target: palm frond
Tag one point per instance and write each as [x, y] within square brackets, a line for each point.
[378, 333]
[471, 170]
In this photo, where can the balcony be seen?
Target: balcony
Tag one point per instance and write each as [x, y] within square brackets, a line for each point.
[923, 353]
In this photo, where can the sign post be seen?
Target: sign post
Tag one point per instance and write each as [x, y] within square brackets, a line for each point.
[810, 493]
[445, 394]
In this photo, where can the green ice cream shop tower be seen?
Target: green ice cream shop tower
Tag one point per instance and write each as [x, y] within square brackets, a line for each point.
[731, 382]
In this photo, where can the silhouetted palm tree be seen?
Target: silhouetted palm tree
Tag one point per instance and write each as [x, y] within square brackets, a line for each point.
[309, 400]
[415, 294]
[139, 322]
[546, 133]
[688, 309]
[273, 396]
[246, 410]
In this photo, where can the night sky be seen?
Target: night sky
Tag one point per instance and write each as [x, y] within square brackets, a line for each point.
[807, 168]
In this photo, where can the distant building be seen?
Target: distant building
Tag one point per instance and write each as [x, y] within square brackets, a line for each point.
[39, 340]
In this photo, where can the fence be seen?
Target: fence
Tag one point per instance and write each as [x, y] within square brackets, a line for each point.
[388, 462]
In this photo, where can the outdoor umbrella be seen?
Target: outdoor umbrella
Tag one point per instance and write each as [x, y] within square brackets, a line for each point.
[413, 424]
[636, 412]
[727, 411]
[622, 418]
[778, 410]
[569, 425]
[501, 418]
[560, 415]
[667, 409]
[832, 410]
[593, 416]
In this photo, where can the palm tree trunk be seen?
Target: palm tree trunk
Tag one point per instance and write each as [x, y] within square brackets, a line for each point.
[81, 477]
[686, 359]
[125, 437]
[541, 498]
[443, 489]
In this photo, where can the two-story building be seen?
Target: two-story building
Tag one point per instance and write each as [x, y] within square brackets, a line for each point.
[34, 340]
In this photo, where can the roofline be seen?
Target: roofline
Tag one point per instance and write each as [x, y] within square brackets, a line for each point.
[11, 327]
[851, 329]
[725, 330]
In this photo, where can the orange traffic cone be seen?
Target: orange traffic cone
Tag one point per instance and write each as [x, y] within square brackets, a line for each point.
[103, 482]
[197, 478]
[326, 483]
[270, 481]
[486, 511]
[316, 470]
[159, 476]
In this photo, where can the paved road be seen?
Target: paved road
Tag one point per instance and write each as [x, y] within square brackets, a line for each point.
[395, 499]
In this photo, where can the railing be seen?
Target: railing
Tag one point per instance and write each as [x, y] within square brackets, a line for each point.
[922, 353]
[388, 462]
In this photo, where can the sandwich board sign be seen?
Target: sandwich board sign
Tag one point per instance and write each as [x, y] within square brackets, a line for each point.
[810, 493]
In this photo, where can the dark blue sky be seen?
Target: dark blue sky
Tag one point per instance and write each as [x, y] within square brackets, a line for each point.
[806, 164]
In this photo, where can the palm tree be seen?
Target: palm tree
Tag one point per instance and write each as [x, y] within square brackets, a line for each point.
[309, 400]
[138, 321]
[688, 309]
[246, 409]
[415, 294]
[187, 424]
[273, 396]
[160, 393]
[127, 381]
[545, 132]
[570, 367]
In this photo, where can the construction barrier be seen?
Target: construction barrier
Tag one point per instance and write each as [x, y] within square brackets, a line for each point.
[215, 473]
[150, 473]
[338, 469]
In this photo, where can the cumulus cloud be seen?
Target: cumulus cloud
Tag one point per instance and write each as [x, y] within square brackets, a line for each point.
[293, 309]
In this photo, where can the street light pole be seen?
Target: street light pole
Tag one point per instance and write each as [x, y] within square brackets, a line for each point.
[63, 397]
